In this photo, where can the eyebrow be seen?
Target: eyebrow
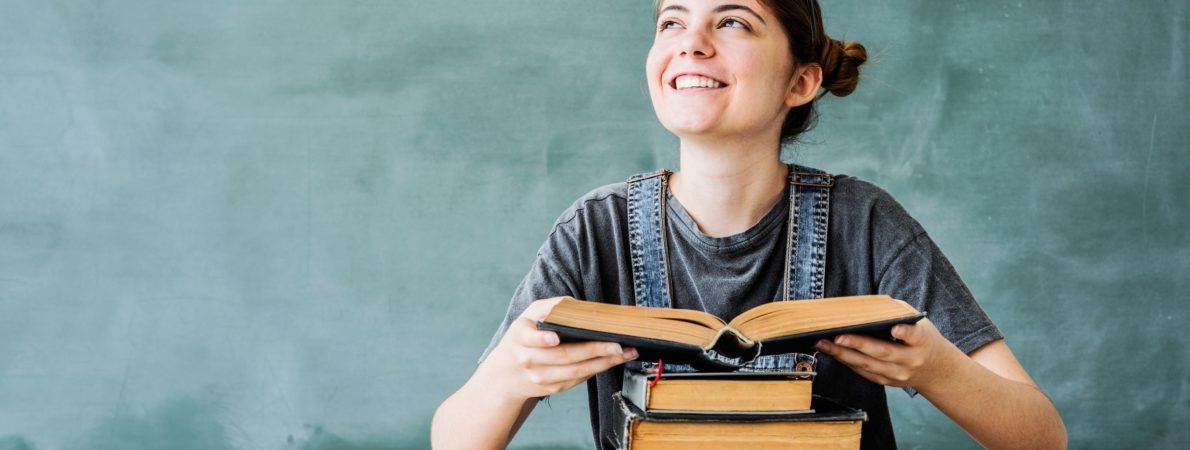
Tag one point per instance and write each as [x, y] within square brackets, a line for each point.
[718, 9]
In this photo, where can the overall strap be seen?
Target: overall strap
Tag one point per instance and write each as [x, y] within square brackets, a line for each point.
[809, 197]
[805, 255]
[646, 238]
[648, 247]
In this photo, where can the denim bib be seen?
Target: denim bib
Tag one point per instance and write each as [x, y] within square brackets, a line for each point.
[805, 255]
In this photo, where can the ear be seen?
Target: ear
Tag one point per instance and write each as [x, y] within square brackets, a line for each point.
[804, 85]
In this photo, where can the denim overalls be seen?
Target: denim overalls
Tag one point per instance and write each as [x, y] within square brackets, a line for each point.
[805, 256]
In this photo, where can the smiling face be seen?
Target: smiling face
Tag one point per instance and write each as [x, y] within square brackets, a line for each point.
[720, 69]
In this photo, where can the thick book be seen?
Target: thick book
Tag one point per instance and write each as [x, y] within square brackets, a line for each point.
[829, 426]
[688, 336]
[718, 392]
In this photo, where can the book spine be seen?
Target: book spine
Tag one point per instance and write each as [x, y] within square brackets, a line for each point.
[636, 388]
[628, 414]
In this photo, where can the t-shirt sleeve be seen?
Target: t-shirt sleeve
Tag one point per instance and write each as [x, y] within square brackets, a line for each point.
[548, 277]
[921, 275]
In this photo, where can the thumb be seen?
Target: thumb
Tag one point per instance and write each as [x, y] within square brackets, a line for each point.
[912, 334]
[541, 308]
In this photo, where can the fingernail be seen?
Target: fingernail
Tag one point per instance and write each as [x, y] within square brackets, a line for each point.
[614, 349]
[551, 338]
[631, 354]
[842, 340]
[821, 345]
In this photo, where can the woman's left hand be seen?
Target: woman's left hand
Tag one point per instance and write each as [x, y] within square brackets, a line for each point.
[922, 356]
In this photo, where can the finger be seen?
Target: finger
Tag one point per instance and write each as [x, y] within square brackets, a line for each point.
[528, 335]
[855, 359]
[874, 347]
[579, 371]
[541, 308]
[873, 377]
[574, 352]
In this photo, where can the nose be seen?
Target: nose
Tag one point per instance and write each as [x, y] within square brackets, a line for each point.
[696, 44]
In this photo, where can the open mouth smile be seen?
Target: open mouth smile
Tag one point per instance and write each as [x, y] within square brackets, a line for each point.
[695, 82]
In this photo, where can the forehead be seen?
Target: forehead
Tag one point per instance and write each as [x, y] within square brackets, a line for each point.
[671, 7]
[707, 4]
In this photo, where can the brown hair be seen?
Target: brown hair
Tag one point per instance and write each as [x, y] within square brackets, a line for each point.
[808, 43]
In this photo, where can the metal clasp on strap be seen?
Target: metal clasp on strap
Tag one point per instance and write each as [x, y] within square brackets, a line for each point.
[645, 176]
[813, 179]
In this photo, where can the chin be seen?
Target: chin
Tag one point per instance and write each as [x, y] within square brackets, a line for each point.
[690, 125]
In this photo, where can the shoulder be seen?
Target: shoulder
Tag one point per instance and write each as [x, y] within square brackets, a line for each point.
[595, 213]
[866, 222]
[601, 205]
[857, 200]
[588, 231]
[603, 200]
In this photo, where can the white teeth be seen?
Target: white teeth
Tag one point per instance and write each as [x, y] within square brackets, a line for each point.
[694, 81]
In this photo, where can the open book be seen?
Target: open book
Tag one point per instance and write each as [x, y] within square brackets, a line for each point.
[689, 336]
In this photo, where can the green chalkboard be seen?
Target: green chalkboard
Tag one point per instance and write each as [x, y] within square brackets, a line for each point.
[296, 224]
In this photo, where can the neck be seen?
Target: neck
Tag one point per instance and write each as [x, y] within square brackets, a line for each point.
[728, 188]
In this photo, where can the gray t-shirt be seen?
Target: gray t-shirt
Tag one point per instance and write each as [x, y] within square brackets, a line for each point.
[873, 247]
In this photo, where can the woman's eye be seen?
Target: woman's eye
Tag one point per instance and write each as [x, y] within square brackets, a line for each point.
[737, 23]
[665, 25]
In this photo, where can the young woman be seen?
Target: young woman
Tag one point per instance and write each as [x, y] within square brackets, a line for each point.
[734, 80]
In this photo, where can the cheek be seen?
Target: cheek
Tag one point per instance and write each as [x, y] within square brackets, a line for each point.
[767, 75]
[653, 66]
[654, 69]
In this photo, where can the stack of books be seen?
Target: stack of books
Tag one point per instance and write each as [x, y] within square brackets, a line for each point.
[720, 407]
[729, 410]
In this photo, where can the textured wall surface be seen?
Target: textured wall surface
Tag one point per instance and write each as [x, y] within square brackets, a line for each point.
[295, 224]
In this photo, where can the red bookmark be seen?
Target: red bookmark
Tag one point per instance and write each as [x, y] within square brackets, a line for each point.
[657, 378]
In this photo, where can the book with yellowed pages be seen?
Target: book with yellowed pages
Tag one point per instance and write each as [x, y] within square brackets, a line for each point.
[829, 426]
[719, 392]
[689, 336]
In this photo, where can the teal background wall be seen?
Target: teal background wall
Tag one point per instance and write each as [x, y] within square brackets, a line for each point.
[295, 224]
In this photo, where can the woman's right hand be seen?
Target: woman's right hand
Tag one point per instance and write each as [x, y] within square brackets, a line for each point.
[530, 363]
[527, 363]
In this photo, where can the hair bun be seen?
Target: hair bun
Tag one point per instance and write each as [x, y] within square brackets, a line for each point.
[840, 66]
